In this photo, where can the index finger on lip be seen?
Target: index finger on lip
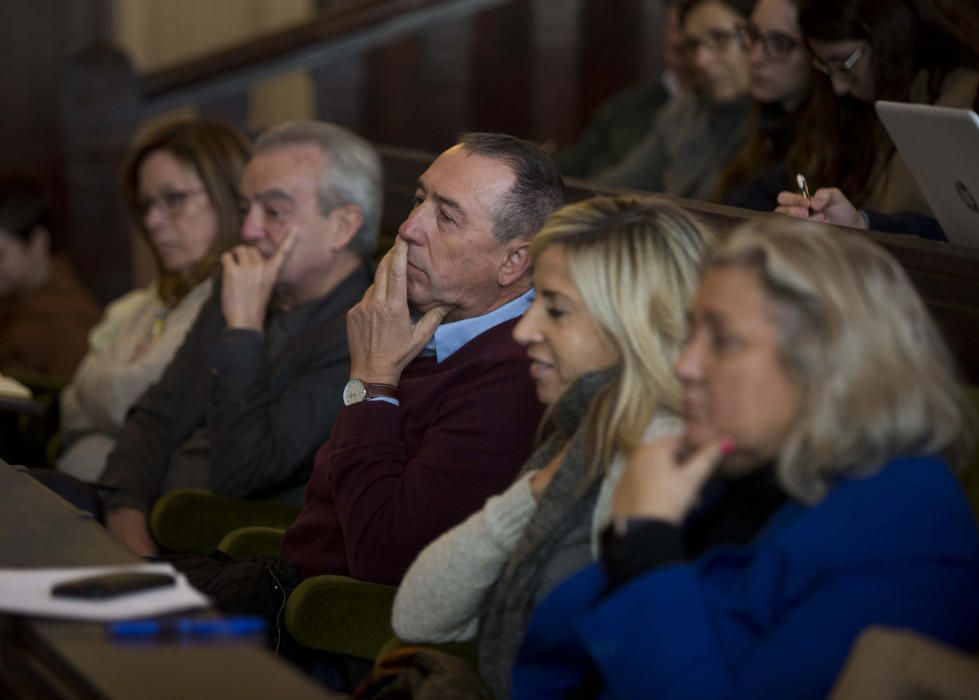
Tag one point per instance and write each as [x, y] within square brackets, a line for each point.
[288, 243]
[381, 275]
[397, 272]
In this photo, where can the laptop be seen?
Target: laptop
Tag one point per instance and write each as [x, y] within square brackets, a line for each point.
[941, 146]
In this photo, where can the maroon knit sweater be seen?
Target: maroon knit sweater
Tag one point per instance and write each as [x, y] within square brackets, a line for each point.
[393, 478]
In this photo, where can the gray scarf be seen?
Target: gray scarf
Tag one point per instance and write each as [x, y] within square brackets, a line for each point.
[556, 541]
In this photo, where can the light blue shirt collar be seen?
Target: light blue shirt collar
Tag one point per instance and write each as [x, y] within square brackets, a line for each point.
[449, 337]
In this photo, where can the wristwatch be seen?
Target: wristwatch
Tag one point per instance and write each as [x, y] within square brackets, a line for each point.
[357, 390]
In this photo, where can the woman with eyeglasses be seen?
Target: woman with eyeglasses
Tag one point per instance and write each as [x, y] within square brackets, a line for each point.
[812, 494]
[692, 140]
[869, 50]
[180, 182]
[781, 82]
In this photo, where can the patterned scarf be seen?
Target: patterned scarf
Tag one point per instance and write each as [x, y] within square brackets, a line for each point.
[556, 541]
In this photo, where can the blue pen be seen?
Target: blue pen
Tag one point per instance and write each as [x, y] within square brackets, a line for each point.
[236, 626]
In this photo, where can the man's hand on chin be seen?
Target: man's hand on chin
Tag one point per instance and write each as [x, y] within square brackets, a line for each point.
[129, 526]
[248, 281]
[381, 336]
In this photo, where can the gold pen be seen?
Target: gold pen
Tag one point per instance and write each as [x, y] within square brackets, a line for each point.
[800, 180]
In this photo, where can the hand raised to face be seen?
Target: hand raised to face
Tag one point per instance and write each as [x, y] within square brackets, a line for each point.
[663, 481]
[382, 338]
[248, 281]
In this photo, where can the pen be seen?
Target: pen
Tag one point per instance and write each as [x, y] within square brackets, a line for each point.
[800, 180]
[236, 626]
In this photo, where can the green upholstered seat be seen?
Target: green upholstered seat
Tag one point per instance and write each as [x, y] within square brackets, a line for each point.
[31, 437]
[341, 615]
[337, 614]
[252, 540]
[195, 521]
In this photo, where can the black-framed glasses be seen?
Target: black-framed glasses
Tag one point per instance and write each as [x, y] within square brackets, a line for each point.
[843, 69]
[171, 202]
[776, 45]
[715, 40]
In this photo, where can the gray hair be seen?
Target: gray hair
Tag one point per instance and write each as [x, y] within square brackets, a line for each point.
[353, 174]
[537, 190]
[878, 379]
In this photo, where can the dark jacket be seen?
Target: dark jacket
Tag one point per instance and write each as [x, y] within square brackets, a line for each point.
[238, 412]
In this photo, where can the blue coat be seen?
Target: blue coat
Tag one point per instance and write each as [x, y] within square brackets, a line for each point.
[776, 618]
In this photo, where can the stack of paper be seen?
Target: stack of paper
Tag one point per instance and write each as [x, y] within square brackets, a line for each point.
[13, 389]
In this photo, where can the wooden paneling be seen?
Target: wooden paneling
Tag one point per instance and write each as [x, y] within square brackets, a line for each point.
[611, 53]
[36, 37]
[500, 99]
[393, 91]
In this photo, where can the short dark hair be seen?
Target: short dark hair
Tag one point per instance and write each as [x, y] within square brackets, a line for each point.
[538, 188]
[24, 205]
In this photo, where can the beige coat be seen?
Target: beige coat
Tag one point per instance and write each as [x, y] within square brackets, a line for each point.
[123, 360]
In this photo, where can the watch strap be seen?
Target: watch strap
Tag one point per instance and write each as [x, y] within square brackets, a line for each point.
[386, 390]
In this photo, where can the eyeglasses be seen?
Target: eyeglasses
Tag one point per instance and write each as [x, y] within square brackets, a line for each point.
[171, 202]
[715, 40]
[843, 70]
[776, 45]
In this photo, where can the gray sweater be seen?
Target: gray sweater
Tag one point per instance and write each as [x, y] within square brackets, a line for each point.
[442, 595]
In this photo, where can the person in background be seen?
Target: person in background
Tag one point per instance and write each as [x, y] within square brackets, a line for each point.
[781, 82]
[811, 495]
[45, 310]
[622, 121]
[871, 50]
[613, 277]
[692, 141]
[180, 182]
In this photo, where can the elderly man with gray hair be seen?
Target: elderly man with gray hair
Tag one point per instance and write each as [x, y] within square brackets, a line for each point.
[256, 386]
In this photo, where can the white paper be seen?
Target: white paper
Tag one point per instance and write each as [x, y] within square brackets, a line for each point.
[28, 592]
[11, 388]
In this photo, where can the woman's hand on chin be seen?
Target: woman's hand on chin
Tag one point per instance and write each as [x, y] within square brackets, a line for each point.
[663, 479]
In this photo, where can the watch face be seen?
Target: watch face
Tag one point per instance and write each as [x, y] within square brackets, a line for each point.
[354, 392]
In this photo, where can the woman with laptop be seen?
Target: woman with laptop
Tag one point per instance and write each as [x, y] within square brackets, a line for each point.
[895, 50]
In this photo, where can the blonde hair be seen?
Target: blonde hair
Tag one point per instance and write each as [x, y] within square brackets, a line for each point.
[877, 378]
[636, 262]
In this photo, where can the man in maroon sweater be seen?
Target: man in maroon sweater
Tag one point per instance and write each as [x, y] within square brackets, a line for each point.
[440, 410]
